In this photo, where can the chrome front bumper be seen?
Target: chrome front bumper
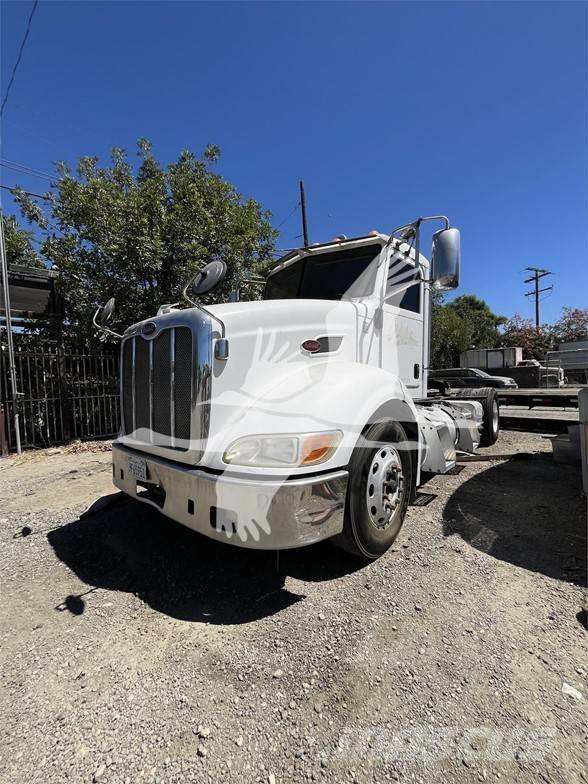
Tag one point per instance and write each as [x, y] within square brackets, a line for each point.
[245, 511]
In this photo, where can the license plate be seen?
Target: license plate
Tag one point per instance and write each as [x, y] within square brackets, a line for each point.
[138, 468]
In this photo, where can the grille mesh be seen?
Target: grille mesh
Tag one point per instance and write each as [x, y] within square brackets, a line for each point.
[155, 384]
[162, 385]
[127, 386]
[142, 387]
[183, 383]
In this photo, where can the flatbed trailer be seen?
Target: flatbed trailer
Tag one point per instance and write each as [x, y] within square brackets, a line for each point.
[533, 398]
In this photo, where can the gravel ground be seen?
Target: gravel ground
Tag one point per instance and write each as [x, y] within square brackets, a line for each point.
[133, 650]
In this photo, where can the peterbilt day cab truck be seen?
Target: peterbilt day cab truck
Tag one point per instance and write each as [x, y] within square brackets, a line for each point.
[304, 416]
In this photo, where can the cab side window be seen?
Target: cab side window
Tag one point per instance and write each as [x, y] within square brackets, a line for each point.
[399, 272]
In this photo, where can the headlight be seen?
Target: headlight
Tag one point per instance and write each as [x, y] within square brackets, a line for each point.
[274, 451]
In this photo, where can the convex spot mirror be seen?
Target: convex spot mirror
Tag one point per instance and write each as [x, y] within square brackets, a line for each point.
[207, 278]
[446, 259]
[107, 312]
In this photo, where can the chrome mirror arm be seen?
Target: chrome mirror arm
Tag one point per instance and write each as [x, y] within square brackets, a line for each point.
[201, 307]
[103, 328]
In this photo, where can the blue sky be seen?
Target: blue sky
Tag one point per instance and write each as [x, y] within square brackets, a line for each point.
[386, 110]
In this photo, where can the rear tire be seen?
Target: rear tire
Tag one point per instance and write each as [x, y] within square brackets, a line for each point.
[490, 419]
[380, 482]
[490, 412]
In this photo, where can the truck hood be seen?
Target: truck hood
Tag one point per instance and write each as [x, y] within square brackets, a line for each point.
[286, 319]
[265, 348]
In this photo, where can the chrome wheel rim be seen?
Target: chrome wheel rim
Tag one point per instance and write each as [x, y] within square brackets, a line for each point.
[385, 487]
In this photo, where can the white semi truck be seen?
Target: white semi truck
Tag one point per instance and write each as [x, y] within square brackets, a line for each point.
[304, 416]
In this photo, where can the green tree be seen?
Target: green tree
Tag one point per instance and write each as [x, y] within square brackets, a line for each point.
[138, 233]
[466, 322]
[19, 243]
[519, 331]
[481, 321]
[572, 325]
[450, 335]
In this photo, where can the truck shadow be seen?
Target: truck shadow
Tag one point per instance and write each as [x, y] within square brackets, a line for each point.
[529, 512]
[131, 547]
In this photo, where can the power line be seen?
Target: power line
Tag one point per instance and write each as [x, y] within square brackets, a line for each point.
[20, 51]
[21, 169]
[289, 215]
[26, 166]
[13, 188]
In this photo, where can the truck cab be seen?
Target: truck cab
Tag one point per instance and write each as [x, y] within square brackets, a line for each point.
[365, 272]
[302, 416]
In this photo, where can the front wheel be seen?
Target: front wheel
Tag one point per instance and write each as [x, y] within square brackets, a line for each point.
[380, 481]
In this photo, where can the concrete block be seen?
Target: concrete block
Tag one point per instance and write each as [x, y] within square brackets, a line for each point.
[565, 450]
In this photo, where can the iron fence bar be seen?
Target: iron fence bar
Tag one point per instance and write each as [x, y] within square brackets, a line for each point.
[66, 392]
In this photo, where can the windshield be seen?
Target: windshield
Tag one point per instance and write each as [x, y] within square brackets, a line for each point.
[334, 275]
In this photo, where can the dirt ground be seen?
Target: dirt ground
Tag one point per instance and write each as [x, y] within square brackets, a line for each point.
[133, 650]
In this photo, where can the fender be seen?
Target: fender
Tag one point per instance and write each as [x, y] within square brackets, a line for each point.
[319, 395]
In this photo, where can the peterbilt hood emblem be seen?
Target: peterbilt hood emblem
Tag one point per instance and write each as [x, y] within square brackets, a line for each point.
[148, 328]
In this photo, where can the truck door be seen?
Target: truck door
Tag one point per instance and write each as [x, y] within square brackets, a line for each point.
[402, 330]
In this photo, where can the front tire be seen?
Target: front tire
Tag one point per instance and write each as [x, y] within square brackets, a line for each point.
[380, 482]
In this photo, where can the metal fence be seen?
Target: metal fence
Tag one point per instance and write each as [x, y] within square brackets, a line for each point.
[65, 393]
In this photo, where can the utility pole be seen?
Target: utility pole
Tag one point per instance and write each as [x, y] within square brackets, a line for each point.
[535, 278]
[8, 322]
[303, 210]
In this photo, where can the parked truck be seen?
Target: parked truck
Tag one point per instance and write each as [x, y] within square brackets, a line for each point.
[573, 359]
[304, 416]
[508, 361]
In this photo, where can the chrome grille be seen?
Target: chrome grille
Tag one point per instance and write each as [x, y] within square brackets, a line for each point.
[157, 388]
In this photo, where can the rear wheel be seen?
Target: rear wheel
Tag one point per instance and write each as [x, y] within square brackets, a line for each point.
[380, 480]
[490, 416]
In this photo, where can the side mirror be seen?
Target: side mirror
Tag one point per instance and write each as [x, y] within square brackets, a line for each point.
[106, 313]
[446, 259]
[103, 315]
[207, 278]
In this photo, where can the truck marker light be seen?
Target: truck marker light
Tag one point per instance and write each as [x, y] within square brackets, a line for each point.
[318, 447]
[312, 346]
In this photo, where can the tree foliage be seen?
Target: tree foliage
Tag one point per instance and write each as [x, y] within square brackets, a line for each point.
[19, 243]
[466, 322]
[519, 331]
[450, 335]
[572, 325]
[480, 320]
[138, 233]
